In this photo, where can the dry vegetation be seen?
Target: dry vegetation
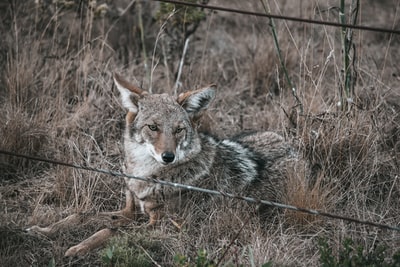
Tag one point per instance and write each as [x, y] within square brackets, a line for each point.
[58, 102]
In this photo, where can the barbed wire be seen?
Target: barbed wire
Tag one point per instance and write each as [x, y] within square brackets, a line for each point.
[204, 190]
[282, 17]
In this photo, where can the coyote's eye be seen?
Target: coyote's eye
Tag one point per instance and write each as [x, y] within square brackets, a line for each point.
[153, 127]
[179, 129]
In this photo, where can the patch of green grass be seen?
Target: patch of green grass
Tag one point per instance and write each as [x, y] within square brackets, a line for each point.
[201, 260]
[132, 249]
[351, 254]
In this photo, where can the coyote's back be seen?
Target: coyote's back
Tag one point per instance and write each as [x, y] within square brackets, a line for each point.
[161, 141]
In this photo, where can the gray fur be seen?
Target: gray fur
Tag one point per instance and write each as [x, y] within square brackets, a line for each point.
[252, 164]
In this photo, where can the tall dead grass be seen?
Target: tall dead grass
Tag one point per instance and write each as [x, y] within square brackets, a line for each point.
[57, 101]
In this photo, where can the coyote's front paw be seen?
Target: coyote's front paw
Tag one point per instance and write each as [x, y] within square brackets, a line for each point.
[41, 230]
[94, 241]
[155, 216]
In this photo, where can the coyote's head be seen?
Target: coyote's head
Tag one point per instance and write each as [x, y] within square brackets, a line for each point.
[161, 126]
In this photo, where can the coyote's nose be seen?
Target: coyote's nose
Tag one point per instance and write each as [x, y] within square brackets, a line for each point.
[168, 157]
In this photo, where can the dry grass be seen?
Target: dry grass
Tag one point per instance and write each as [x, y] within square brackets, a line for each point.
[57, 101]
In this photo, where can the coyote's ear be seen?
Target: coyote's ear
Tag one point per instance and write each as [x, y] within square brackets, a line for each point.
[130, 93]
[198, 100]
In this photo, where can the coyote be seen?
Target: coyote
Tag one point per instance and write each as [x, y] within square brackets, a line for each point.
[161, 140]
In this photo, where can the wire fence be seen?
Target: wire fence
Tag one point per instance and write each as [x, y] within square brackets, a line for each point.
[204, 190]
[227, 194]
[282, 17]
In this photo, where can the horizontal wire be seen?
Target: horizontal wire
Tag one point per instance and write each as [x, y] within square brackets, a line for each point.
[203, 190]
[297, 19]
